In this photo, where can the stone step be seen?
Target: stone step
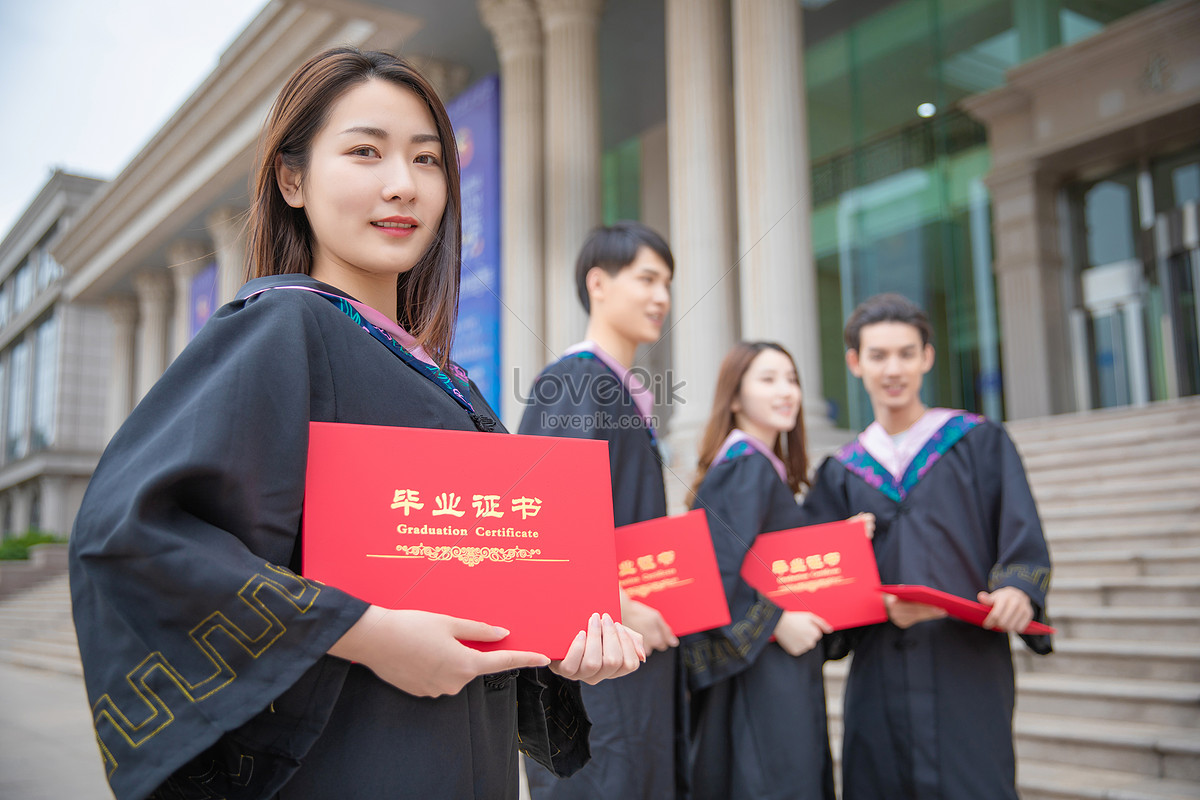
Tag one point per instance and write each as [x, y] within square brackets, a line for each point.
[1037, 780]
[1132, 510]
[1074, 498]
[1067, 426]
[1118, 487]
[1180, 529]
[54, 648]
[1127, 562]
[1131, 432]
[1097, 535]
[1085, 471]
[1138, 623]
[1162, 458]
[1159, 590]
[1157, 661]
[1156, 751]
[42, 661]
[1168, 703]
[1131, 446]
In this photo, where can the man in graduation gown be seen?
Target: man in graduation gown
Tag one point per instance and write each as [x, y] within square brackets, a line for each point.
[929, 700]
[623, 277]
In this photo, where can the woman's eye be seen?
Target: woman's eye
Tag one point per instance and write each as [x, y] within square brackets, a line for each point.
[364, 151]
[427, 158]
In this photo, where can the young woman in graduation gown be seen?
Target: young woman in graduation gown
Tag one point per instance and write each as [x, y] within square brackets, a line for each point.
[758, 697]
[213, 668]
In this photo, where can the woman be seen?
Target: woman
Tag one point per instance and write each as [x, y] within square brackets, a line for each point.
[213, 668]
[758, 698]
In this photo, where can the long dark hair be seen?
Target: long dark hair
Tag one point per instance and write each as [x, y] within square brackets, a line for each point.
[280, 239]
[790, 447]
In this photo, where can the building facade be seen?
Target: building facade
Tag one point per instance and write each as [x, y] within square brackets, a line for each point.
[976, 155]
[53, 366]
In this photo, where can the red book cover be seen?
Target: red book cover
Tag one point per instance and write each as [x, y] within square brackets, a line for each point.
[511, 530]
[668, 563]
[828, 570]
[958, 607]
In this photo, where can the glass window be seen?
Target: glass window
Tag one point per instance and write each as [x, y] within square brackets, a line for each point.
[5, 294]
[621, 174]
[1176, 180]
[48, 270]
[45, 374]
[23, 287]
[17, 444]
[1110, 218]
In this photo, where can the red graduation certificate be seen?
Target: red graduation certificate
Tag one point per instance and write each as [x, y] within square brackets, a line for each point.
[957, 607]
[828, 570]
[668, 563]
[511, 530]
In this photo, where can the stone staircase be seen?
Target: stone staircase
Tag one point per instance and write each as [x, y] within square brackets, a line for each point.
[1114, 713]
[36, 628]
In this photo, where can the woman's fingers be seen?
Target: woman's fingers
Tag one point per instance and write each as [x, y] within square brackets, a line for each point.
[504, 660]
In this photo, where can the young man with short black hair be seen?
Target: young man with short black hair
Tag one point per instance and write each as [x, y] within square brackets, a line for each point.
[623, 275]
[929, 700]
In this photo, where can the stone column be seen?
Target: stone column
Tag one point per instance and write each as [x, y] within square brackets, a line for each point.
[777, 278]
[154, 312]
[702, 208]
[517, 32]
[187, 261]
[1029, 288]
[57, 516]
[226, 227]
[123, 311]
[572, 103]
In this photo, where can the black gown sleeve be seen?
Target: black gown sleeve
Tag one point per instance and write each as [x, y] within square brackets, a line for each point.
[742, 498]
[552, 723]
[200, 642]
[1023, 558]
[826, 499]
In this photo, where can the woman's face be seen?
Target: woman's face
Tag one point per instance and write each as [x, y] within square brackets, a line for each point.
[375, 189]
[768, 401]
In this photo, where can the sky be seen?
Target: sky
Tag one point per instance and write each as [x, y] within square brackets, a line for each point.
[84, 85]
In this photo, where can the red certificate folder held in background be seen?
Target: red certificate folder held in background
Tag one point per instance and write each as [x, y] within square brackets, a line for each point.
[957, 607]
[511, 530]
[668, 563]
[828, 570]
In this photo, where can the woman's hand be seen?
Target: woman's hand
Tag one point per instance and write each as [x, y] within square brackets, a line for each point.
[1012, 610]
[422, 653]
[905, 614]
[799, 631]
[868, 518]
[605, 650]
[656, 633]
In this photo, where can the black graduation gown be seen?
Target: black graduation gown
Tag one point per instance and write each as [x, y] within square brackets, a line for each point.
[636, 739]
[204, 650]
[758, 714]
[928, 712]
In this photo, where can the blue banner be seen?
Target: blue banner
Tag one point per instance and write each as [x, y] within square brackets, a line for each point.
[204, 297]
[475, 115]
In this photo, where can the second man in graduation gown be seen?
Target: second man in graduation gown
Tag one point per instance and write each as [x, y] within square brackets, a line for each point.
[929, 700]
[623, 277]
